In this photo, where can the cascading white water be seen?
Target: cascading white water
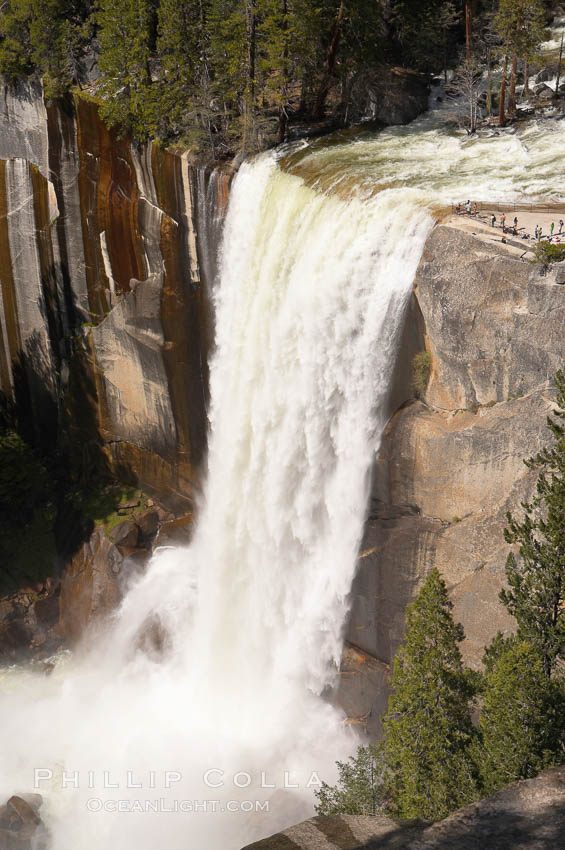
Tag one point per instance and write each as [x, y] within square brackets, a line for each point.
[219, 654]
[312, 294]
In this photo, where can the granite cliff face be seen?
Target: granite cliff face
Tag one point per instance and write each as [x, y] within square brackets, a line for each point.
[106, 270]
[108, 256]
[451, 466]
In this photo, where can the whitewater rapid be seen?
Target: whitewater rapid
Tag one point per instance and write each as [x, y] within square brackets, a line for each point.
[216, 667]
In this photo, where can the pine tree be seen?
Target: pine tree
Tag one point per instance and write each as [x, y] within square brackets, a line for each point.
[57, 41]
[428, 728]
[536, 577]
[522, 722]
[186, 99]
[424, 28]
[521, 26]
[16, 52]
[126, 28]
[359, 788]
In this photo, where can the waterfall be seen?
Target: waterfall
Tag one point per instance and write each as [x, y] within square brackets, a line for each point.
[215, 669]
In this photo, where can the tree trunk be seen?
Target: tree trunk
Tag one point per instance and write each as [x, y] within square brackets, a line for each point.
[489, 83]
[559, 67]
[249, 97]
[330, 63]
[502, 99]
[526, 79]
[512, 90]
[468, 28]
[283, 115]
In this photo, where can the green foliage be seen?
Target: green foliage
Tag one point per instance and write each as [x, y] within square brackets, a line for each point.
[521, 26]
[428, 730]
[536, 575]
[24, 482]
[421, 367]
[547, 253]
[125, 48]
[16, 55]
[186, 102]
[522, 719]
[359, 788]
[104, 504]
[27, 514]
[426, 30]
[47, 36]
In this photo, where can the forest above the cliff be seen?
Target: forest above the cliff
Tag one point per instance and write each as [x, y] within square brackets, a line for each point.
[230, 74]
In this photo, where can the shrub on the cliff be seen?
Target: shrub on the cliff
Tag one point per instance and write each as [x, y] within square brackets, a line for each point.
[27, 514]
[521, 720]
[421, 367]
[24, 481]
[428, 729]
[547, 253]
[359, 789]
[536, 575]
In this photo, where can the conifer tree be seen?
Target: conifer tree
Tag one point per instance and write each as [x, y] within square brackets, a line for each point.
[183, 45]
[428, 728]
[359, 788]
[522, 722]
[126, 28]
[56, 40]
[16, 52]
[536, 576]
[520, 24]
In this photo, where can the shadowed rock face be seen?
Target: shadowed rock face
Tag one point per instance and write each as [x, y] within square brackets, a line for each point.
[526, 815]
[101, 250]
[450, 468]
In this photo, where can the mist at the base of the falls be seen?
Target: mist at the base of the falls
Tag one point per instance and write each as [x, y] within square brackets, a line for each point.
[223, 734]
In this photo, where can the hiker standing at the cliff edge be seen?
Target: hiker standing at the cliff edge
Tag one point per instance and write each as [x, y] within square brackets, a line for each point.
[492, 220]
[503, 221]
[560, 225]
[551, 228]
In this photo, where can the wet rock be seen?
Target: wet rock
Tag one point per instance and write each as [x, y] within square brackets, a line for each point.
[362, 690]
[125, 534]
[175, 532]
[47, 610]
[90, 586]
[148, 523]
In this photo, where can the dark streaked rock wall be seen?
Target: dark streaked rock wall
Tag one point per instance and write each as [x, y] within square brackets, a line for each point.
[107, 261]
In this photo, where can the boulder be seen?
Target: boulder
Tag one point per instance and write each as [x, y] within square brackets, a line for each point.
[542, 91]
[21, 827]
[148, 524]
[125, 534]
[527, 815]
[547, 73]
[23, 811]
[388, 96]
